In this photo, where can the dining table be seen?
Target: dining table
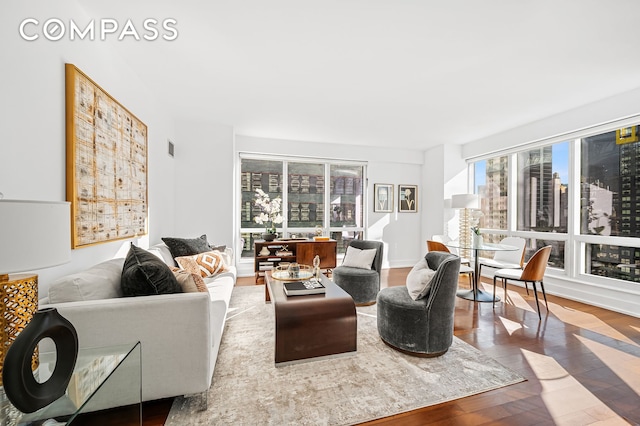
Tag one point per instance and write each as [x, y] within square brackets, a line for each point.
[476, 293]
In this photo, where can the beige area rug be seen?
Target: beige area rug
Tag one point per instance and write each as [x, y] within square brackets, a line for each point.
[376, 382]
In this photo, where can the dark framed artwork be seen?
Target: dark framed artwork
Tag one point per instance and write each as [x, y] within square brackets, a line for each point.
[106, 164]
[408, 198]
[383, 197]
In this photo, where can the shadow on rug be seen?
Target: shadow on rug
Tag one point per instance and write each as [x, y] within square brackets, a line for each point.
[376, 382]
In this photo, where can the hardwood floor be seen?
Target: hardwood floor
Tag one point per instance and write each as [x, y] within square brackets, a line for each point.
[582, 364]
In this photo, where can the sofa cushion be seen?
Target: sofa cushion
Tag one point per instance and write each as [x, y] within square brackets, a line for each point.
[419, 280]
[162, 251]
[190, 283]
[206, 264]
[101, 281]
[144, 274]
[187, 246]
[357, 258]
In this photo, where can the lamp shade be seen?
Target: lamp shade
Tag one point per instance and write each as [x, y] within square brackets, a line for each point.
[465, 201]
[34, 235]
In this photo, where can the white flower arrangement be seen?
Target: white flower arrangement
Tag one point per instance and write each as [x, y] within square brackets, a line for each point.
[270, 214]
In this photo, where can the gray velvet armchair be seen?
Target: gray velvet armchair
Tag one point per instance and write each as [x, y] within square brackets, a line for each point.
[362, 284]
[422, 327]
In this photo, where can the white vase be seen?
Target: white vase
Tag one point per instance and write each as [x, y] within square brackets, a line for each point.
[478, 241]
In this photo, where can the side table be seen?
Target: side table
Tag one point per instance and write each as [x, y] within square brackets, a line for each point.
[103, 377]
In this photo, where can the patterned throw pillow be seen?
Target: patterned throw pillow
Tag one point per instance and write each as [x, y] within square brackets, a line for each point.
[206, 264]
[187, 246]
[190, 283]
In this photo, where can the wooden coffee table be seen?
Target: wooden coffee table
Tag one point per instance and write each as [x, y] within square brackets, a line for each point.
[313, 325]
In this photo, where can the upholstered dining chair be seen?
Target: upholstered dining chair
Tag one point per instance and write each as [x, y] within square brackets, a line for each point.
[464, 269]
[532, 273]
[513, 259]
[361, 281]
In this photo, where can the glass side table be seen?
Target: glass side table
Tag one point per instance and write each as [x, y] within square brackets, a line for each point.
[103, 377]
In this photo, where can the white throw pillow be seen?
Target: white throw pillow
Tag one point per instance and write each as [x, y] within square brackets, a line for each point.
[357, 258]
[101, 281]
[419, 280]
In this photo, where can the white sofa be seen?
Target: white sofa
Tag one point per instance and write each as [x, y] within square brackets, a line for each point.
[180, 333]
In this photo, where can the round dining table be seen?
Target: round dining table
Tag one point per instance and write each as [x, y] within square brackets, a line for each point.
[476, 293]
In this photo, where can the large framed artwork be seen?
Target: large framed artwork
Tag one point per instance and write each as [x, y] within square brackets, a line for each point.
[383, 198]
[106, 164]
[408, 198]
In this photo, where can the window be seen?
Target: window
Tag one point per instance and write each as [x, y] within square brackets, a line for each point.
[491, 182]
[607, 169]
[543, 175]
[315, 195]
[612, 261]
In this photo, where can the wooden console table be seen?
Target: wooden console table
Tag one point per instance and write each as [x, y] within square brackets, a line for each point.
[302, 251]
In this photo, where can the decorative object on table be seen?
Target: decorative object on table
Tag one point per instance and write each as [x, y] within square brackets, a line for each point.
[383, 197]
[294, 270]
[34, 235]
[469, 217]
[265, 251]
[270, 213]
[281, 272]
[319, 230]
[477, 239]
[20, 385]
[408, 198]
[302, 288]
[106, 164]
[316, 266]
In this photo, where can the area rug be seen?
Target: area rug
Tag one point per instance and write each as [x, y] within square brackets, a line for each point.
[377, 381]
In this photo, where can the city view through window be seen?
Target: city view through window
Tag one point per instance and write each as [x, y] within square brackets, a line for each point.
[608, 173]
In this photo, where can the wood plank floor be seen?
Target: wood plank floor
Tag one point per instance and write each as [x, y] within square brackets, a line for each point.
[582, 365]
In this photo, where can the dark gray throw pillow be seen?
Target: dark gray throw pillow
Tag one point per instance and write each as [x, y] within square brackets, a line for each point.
[144, 274]
[187, 246]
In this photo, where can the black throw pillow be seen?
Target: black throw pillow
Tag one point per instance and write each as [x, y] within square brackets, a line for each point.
[144, 274]
[187, 246]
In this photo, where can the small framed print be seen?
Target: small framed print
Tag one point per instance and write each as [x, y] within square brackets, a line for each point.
[408, 198]
[383, 198]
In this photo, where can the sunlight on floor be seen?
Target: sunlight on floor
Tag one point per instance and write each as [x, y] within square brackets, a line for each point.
[511, 326]
[566, 400]
[624, 365]
[587, 321]
[513, 297]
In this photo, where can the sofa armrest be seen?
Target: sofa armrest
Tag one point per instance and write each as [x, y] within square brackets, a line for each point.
[174, 329]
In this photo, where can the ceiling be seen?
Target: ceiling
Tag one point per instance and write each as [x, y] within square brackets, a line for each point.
[408, 74]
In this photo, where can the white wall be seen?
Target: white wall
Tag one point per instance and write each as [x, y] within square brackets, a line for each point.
[32, 107]
[204, 179]
[401, 232]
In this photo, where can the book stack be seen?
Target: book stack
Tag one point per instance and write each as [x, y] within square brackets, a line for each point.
[301, 288]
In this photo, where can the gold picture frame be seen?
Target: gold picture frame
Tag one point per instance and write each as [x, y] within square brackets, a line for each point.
[383, 198]
[408, 198]
[106, 164]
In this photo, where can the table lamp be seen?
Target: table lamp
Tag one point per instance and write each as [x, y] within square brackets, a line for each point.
[33, 235]
[465, 202]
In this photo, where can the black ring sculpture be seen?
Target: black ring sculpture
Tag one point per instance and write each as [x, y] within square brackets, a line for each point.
[20, 386]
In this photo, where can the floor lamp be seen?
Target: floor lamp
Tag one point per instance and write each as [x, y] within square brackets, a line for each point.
[465, 203]
[33, 235]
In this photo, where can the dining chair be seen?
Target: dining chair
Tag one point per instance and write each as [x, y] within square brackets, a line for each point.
[532, 273]
[464, 269]
[506, 259]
